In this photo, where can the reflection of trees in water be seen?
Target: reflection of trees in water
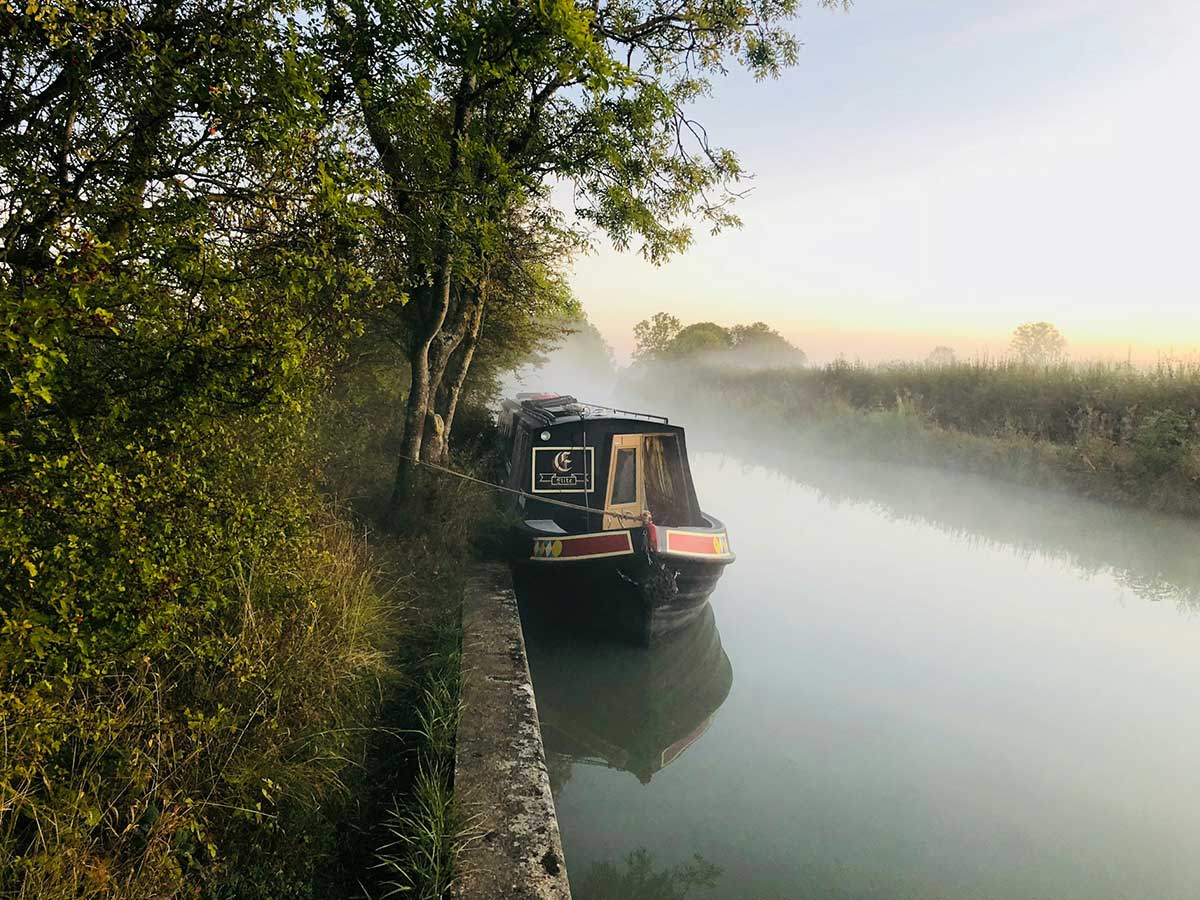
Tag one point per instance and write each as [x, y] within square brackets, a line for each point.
[638, 879]
[1144, 553]
[558, 767]
[1149, 554]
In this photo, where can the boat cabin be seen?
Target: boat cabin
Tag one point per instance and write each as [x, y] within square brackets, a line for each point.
[587, 468]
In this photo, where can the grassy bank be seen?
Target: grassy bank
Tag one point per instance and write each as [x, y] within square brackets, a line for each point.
[218, 681]
[401, 833]
[1105, 431]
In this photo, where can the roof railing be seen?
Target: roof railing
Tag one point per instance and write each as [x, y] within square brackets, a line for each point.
[649, 417]
[547, 408]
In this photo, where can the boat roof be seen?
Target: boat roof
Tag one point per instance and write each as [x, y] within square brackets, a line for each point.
[540, 410]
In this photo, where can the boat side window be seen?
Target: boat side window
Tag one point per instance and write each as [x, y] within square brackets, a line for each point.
[624, 489]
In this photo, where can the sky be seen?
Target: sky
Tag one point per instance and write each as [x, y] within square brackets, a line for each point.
[938, 172]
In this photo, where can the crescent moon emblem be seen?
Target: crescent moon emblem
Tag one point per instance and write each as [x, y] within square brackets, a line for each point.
[562, 462]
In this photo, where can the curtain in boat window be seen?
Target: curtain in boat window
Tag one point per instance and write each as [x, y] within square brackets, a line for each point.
[666, 484]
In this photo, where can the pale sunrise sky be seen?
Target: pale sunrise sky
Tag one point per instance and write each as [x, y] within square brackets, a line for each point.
[939, 171]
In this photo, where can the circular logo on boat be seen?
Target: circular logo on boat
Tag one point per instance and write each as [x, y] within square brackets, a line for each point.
[562, 461]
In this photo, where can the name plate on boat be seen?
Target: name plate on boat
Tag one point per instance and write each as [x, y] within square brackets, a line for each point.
[562, 470]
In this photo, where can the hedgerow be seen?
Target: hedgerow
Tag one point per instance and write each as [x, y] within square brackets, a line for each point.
[1111, 432]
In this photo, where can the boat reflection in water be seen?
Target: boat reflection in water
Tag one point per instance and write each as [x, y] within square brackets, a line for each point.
[604, 702]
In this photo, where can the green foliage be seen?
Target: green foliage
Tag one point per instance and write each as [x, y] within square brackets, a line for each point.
[229, 234]
[471, 112]
[188, 633]
[531, 309]
[700, 339]
[754, 346]
[758, 345]
[425, 833]
[652, 336]
[1063, 404]
[1163, 439]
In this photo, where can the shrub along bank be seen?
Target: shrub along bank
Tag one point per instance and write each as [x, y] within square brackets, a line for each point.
[1106, 431]
[217, 682]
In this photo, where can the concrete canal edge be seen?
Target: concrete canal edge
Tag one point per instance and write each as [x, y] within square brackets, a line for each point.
[501, 784]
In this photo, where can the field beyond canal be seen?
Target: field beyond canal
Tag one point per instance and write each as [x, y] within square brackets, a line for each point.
[1111, 432]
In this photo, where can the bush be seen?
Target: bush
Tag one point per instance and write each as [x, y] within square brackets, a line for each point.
[188, 633]
[1162, 441]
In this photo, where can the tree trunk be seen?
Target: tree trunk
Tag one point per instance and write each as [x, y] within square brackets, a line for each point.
[419, 384]
[441, 352]
[459, 377]
[432, 319]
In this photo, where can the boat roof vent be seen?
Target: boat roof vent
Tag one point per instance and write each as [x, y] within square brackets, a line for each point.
[549, 407]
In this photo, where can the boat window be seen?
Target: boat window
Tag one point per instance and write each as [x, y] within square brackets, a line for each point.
[624, 487]
[667, 495]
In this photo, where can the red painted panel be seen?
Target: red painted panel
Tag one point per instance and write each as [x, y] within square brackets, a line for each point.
[600, 543]
[686, 542]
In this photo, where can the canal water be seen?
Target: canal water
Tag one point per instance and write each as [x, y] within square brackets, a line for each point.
[911, 685]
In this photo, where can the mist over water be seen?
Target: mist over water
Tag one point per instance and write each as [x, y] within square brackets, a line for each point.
[942, 687]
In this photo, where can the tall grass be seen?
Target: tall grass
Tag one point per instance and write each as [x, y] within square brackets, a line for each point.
[423, 825]
[267, 721]
[404, 834]
[206, 772]
[1109, 431]
[421, 832]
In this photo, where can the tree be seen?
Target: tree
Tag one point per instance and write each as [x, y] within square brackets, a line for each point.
[1039, 344]
[698, 340]
[530, 310]
[472, 109]
[652, 336]
[941, 355]
[760, 345]
[178, 236]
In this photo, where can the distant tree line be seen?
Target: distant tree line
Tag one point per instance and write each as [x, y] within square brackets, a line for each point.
[1033, 344]
[663, 337]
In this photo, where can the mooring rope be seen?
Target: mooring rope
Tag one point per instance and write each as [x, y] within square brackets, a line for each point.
[626, 517]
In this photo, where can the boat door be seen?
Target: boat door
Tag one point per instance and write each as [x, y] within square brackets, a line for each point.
[626, 496]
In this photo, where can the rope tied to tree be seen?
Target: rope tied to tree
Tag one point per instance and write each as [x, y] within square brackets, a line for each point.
[643, 519]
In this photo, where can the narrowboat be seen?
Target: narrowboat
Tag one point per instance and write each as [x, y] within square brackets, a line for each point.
[608, 524]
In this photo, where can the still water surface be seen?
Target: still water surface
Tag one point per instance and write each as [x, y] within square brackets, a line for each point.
[912, 686]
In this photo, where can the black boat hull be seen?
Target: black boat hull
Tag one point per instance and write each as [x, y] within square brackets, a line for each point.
[633, 585]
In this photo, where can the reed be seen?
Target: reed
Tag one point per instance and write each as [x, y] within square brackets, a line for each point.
[423, 825]
[1110, 431]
